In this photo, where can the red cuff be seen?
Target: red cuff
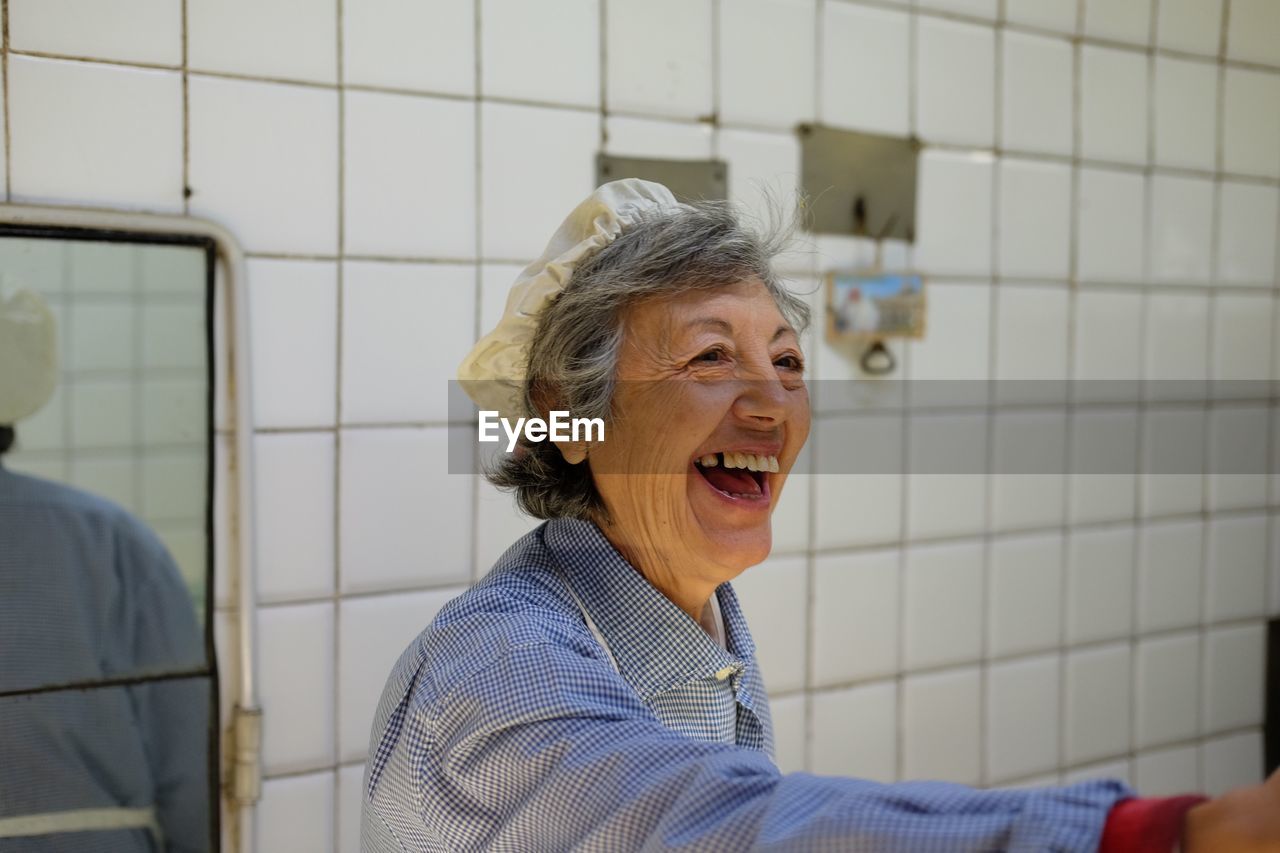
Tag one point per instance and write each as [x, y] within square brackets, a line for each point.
[1146, 825]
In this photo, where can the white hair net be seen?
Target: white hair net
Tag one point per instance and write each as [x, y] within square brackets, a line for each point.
[28, 356]
[493, 372]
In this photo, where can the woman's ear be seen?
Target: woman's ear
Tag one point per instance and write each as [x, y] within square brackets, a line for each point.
[574, 452]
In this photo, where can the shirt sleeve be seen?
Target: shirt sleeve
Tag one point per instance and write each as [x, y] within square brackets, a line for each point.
[1148, 825]
[546, 748]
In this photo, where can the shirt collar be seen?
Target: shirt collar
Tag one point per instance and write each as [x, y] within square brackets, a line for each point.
[655, 643]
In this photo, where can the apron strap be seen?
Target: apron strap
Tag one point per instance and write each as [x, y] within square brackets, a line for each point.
[83, 820]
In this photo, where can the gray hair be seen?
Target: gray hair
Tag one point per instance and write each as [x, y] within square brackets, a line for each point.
[573, 357]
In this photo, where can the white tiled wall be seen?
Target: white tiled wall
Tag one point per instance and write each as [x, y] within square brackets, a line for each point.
[1099, 198]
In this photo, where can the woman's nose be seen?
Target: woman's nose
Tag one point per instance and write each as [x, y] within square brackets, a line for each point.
[762, 397]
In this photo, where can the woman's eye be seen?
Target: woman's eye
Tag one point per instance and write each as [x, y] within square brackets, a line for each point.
[790, 362]
[710, 356]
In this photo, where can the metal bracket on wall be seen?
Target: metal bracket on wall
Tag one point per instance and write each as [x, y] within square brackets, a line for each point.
[859, 183]
[688, 180]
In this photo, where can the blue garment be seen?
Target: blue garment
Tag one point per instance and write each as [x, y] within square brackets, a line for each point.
[505, 726]
[87, 592]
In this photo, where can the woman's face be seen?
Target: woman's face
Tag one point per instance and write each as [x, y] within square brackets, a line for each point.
[709, 414]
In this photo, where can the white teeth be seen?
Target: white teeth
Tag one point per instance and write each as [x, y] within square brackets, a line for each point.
[773, 464]
[734, 459]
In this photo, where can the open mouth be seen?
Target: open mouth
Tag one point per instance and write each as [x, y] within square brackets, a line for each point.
[737, 475]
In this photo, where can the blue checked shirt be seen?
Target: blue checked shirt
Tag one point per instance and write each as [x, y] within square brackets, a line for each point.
[507, 725]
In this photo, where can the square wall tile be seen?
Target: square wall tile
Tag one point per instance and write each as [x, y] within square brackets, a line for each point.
[955, 74]
[100, 337]
[293, 477]
[645, 137]
[1173, 442]
[857, 508]
[855, 616]
[1177, 345]
[350, 798]
[264, 38]
[1031, 341]
[294, 305]
[1119, 770]
[1103, 440]
[791, 515]
[946, 479]
[1022, 713]
[955, 350]
[1186, 104]
[373, 631]
[1167, 689]
[1035, 219]
[775, 597]
[1110, 225]
[1098, 687]
[264, 162]
[133, 116]
[947, 242]
[1099, 584]
[567, 33]
[1241, 343]
[1118, 20]
[1236, 568]
[1113, 104]
[1024, 612]
[1230, 762]
[499, 523]
[409, 176]
[1253, 34]
[1194, 26]
[410, 44]
[1036, 109]
[400, 511]
[296, 657]
[764, 173]
[1181, 229]
[864, 69]
[133, 30]
[521, 207]
[1238, 437]
[1106, 349]
[1029, 460]
[1251, 123]
[286, 814]
[393, 370]
[943, 605]
[780, 91]
[977, 8]
[1166, 772]
[1246, 229]
[789, 737]
[1059, 15]
[1234, 675]
[942, 726]
[855, 732]
[653, 67]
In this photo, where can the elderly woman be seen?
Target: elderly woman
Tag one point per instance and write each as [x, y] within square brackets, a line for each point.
[599, 688]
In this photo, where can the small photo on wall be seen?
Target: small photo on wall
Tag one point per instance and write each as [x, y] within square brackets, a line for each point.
[875, 305]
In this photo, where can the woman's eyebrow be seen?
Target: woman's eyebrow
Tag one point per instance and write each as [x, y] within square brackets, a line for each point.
[727, 327]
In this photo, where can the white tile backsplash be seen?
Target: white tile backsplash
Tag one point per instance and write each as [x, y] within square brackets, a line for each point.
[1024, 608]
[653, 67]
[408, 176]
[1113, 104]
[1029, 458]
[1173, 442]
[1118, 20]
[864, 72]
[287, 813]
[774, 597]
[1251, 123]
[130, 31]
[1058, 15]
[955, 82]
[287, 39]
[946, 486]
[948, 243]
[943, 605]
[566, 32]
[1022, 718]
[1231, 761]
[423, 45]
[1166, 689]
[1103, 482]
[781, 90]
[1097, 703]
[789, 732]
[1238, 437]
[626, 136]
[1110, 217]
[133, 115]
[1246, 229]
[264, 162]
[1185, 93]
[296, 662]
[1234, 675]
[1181, 229]
[1035, 219]
[1036, 100]
[350, 797]
[855, 732]
[1194, 26]
[855, 625]
[1236, 568]
[1166, 772]
[294, 494]
[1253, 34]
[1100, 572]
[942, 726]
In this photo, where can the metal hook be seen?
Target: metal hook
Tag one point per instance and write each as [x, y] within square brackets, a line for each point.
[877, 360]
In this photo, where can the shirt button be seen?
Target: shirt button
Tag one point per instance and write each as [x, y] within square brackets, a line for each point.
[724, 673]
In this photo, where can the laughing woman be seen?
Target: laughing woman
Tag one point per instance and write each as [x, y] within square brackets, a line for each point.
[599, 688]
